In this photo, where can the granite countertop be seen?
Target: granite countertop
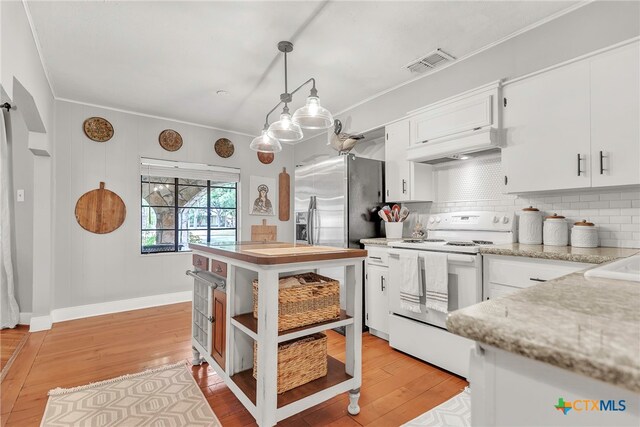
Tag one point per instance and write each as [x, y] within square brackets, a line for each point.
[561, 253]
[586, 325]
[378, 241]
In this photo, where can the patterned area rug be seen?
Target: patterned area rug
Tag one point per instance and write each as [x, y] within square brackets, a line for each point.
[455, 412]
[167, 396]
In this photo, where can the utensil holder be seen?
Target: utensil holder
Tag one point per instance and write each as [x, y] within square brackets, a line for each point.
[393, 229]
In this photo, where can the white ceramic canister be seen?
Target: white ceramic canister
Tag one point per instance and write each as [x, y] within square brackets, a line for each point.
[584, 235]
[555, 231]
[530, 228]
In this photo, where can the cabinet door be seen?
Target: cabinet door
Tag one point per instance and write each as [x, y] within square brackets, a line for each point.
[405, 181]
[377, 301]
[396, 164]
[546, 120]
[615, 117]
[218, 329]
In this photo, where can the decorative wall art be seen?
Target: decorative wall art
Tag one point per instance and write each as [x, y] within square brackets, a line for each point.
[262, 195]
[170, 140]
[98, 129]
[224, 148]
[284, 191]
[100, 211]
[265, 158]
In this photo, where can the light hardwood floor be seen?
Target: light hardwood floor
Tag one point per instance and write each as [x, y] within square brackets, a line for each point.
[396, 388]
[11, 341]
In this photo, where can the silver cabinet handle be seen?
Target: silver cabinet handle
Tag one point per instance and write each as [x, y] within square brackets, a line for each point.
[376, 257]
[535, 279]
[602, 157]
[404, 186]
[580, 171]
[382, 283]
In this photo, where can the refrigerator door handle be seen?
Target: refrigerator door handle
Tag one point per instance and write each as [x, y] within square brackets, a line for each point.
[311, 221]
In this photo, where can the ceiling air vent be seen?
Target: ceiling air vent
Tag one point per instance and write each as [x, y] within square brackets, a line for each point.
[431, 60]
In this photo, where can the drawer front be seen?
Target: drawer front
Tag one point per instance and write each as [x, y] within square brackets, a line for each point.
[219, 268]
[522, 272]
[377, 255]
[200, 262]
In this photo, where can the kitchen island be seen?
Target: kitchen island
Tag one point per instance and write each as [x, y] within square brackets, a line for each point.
[225, 330]
[563, 353]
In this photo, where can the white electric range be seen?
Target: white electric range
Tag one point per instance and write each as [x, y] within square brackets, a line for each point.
[460, 235]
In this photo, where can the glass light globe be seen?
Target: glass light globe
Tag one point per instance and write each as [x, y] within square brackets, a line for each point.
[266, 144]
[284, 129]
[313, 115]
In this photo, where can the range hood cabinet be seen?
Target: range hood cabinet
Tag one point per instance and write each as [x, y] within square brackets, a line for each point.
[469, 122]
[446, 149]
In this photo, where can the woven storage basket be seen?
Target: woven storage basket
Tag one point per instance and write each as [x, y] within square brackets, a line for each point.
[314, 299]
[299, 361]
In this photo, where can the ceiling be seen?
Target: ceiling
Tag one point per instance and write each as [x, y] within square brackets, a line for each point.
[169, 58]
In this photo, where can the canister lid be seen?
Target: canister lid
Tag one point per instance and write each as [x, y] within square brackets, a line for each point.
[584, 223]
[531, 209]
[555, 216]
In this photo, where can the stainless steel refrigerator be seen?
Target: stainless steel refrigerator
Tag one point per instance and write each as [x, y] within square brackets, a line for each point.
[336, 203]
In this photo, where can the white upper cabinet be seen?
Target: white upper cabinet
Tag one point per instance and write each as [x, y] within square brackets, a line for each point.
[575, 126]
[405, 181]
[546, 125]
[615, 117]
[452, 118]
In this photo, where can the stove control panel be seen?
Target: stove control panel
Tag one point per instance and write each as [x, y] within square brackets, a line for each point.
[480, 221]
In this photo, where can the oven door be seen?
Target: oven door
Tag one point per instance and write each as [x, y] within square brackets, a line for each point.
[465, 286]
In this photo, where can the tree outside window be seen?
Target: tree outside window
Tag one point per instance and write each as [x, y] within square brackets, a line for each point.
[176, 212]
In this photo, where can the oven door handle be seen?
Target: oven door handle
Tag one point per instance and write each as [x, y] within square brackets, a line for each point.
[461, 258]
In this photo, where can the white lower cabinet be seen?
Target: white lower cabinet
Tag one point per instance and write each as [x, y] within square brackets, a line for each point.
[506, 274]
[376, 293]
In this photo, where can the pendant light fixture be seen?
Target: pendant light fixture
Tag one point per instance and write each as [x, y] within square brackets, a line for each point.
[289, 128]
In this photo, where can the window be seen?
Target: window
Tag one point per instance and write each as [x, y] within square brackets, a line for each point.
[177, 211]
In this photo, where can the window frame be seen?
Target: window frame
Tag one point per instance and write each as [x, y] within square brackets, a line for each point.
[177, 229]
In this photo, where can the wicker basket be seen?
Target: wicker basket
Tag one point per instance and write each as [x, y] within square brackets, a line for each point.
[304, 299]
[299, 361]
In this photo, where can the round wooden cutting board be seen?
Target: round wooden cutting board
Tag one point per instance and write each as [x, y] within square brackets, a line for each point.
[100, 211]
[265, 158]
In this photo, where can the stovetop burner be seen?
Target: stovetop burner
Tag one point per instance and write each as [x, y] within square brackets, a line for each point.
[461, 243]
[433, 240]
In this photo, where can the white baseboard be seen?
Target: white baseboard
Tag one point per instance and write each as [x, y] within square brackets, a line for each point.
[39, 323]
[25, 318]
[90, 310]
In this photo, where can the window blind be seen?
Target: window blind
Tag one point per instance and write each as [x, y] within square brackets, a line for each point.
[184, 170]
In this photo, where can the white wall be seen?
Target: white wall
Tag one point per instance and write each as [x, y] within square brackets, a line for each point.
[19, 58]
[93, 268]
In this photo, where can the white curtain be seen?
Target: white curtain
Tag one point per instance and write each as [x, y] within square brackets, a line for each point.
[9, 311]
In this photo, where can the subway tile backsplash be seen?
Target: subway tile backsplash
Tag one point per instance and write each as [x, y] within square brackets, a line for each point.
[616, 212]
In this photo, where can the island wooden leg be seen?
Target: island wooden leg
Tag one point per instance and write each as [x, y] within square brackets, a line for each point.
[266, 393]
[354, 396]
[197, 360]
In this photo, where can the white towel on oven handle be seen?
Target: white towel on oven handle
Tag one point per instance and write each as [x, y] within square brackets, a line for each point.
[410, 283]
[436, 280]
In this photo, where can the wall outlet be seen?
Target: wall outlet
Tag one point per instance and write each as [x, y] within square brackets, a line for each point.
[20, 196]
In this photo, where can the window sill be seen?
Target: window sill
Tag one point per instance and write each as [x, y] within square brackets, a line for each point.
[154, 254]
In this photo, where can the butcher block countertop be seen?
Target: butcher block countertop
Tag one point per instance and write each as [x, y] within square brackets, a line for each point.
[272, 253]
